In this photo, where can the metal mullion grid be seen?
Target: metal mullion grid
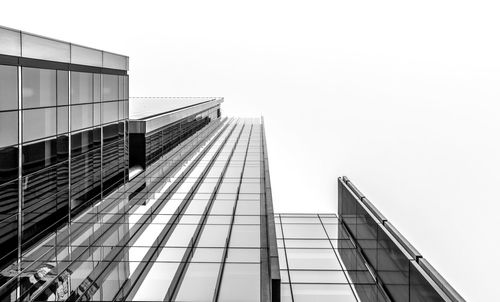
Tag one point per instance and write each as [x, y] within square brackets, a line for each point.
[20, 191]
[143, 221]
[129, 288]
[346, 275]
[228, 238]
[19, 174]
[286, 260]
[214, 127]
[175, 284]
[69, 155]
[84, 250]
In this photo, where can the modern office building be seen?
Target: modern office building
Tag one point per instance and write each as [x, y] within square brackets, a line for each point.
[63, 134]
[171, 202]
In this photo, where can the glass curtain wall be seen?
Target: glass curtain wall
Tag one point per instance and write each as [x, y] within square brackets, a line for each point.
[188, 229]
[62, 146]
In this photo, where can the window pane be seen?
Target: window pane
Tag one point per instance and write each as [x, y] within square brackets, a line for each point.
[8, 128]
[199, 282]
[207, 254]
[312, 259]
[317, 276]
[39, 87]
[8, 87]
[121, 87]
[39, 123]
[81, 87]
[97, 114]
[62, 119]
[245, 236]
[97, 87]
[110, 112]
[81, 117]
[155, 285]
[322, 292]
[110, 87]
[243, 255]
[309, 231]
[8, 171]
[240, 282]
[62, 87]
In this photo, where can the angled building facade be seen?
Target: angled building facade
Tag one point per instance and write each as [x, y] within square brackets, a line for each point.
[170, 202]
[63, 134]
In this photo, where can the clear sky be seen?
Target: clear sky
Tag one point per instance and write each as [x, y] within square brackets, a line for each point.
[402, 97]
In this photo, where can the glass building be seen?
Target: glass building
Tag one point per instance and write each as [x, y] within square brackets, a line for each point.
[170, 202]
[63, 134]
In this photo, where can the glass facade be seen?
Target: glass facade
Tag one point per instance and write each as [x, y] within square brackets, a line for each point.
[382, 254]
[192, 227]
[195, 223]
[57, 155]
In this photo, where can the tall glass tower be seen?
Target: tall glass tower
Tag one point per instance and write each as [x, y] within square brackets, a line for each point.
[170, 202]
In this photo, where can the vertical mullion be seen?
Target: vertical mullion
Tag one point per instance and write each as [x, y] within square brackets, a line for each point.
[19, 170]
[286, 260]
[175, 285]
[228, 238]
[346, 275]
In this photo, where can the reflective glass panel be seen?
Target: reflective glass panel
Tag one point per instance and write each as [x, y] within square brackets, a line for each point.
[81, 87]
[8, 87]
[81, 116]
[39, 123]
[39, 87]
[8, 128]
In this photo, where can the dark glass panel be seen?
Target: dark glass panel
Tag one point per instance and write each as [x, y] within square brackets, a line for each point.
[43, 206]
[392, 267]
[8, 199]
[39, 155]
[81, 87]
[82, 142]
[420, 288]
[8, 241]
[39, 123]
[81, 117]
[165, 139]
[8, 87]
[8, 163]
[62, 87]
[8, 128]
[110, 87]
[84, 187]
[62, 148]
[110, 132]
[39, 87]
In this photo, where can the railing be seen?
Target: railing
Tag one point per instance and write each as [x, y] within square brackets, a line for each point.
[399, 269]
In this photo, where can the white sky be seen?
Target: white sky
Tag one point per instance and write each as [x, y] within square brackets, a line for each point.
[400, 96]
